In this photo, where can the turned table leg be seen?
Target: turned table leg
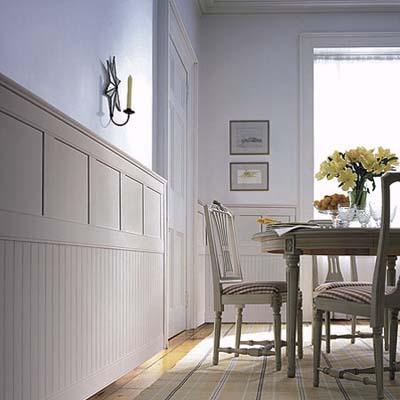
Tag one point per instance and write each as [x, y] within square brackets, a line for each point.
[292, 276]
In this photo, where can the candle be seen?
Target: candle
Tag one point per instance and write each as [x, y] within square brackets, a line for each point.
[129, 95]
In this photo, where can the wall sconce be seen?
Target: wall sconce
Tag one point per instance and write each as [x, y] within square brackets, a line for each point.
[111, 92]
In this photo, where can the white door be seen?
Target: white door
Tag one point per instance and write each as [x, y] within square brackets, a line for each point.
[177, 132]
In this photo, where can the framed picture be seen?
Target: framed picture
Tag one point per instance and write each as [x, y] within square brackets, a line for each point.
[249, 137]
[249, 176]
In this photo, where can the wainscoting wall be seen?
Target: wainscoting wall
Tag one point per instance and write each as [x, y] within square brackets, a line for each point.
[82, 255]
[255, 266]
[201, 266]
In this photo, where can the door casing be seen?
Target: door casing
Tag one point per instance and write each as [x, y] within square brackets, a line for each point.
[170, 26]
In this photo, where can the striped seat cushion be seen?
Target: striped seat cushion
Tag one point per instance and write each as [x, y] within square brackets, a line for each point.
[256, 288]
[358, 292]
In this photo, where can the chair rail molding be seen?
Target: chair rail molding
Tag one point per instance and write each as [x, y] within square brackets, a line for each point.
[296, 6]
[82, 255]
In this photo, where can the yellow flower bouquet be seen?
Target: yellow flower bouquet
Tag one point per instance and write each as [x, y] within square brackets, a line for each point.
[354, 168]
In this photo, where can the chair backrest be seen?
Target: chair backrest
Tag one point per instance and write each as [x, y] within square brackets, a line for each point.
[225, 262]
[334, 273]
[378, 283]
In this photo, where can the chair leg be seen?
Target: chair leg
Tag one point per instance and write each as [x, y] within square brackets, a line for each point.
[239, 318]
[353, 328]
[217, 336]
[328, 331]
[393, 343]
[300, 328]
[378, 357]
[386, 329]
[276, 308]
[317, 328]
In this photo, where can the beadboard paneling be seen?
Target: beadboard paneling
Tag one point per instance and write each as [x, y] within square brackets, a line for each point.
[72, 311]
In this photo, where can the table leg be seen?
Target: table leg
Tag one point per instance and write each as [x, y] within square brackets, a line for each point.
[292, 277]
[391, 281]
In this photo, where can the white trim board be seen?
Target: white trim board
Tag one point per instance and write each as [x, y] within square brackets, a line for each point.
[309, 41]
[180, 38]
[296, 6]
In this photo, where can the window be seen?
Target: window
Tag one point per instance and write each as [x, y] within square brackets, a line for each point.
[356, 103]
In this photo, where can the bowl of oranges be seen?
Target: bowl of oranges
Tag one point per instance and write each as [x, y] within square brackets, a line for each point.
[331, 202]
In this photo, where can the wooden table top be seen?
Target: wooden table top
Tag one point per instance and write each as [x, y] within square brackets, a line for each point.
[335, 241]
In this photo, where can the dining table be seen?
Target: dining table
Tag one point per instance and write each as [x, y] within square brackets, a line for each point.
[321, 241]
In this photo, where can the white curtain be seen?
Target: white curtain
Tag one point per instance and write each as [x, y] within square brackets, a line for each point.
[356, 103]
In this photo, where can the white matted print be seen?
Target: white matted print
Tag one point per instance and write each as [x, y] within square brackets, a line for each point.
[249, 137]
[249, 176]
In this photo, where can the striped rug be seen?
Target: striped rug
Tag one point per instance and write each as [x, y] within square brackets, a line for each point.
[247, 378]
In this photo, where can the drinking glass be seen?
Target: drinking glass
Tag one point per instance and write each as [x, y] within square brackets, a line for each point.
[363, 217]
[345, 216]
[376, 211]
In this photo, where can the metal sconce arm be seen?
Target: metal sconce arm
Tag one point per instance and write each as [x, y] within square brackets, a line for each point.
[112, 94]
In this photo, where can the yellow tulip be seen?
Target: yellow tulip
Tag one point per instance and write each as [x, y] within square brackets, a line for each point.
[383, 153]
[352, 155]
[348, 178]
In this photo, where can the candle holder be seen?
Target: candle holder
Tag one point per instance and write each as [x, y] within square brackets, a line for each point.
[111, 92]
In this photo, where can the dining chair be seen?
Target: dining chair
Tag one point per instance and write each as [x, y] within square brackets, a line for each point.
[367, 300]
[334, 274]
[229, 288]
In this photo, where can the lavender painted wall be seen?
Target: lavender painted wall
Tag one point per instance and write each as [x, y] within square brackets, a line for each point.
[54, 49]
[250, 70]
[191, 14]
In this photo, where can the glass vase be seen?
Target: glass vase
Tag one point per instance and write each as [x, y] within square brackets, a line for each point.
[358, 199]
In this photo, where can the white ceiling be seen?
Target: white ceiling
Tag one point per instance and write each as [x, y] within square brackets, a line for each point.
[296, 6]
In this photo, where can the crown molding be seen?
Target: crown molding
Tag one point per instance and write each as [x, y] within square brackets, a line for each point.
[296, 6]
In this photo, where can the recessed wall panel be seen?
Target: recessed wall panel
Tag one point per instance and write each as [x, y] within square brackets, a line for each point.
[104, 195]
[132, 206]
[20, 166]
[152, 213]
[66, 182]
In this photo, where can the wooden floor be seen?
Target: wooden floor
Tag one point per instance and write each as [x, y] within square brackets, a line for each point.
[185, 371]
[130, 385]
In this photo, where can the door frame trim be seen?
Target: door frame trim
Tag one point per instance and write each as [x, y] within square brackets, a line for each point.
[171, 26]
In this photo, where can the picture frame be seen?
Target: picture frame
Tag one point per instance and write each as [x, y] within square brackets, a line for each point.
[249, 137]
[249, 176]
